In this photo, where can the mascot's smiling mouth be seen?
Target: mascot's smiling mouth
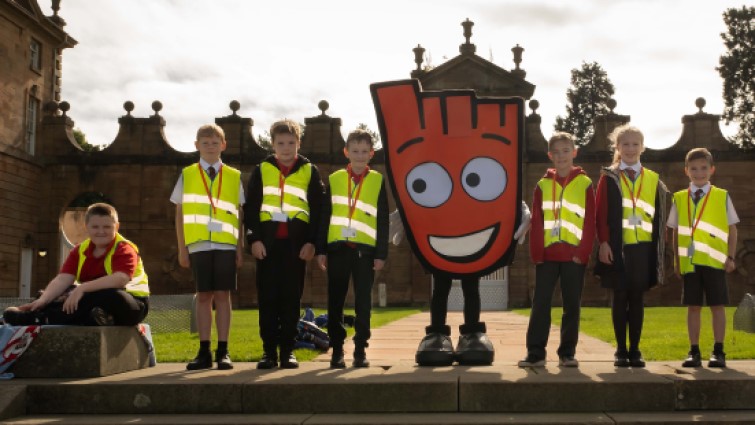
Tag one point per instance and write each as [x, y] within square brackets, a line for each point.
[465, 248]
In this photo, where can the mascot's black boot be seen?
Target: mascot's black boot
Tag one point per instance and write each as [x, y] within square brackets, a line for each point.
[474, 347]
[436, 348]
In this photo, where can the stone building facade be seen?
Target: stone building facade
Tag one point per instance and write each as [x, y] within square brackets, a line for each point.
[45, 191]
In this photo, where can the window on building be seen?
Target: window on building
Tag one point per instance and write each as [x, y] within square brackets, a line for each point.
[35, 48]
[31, 124]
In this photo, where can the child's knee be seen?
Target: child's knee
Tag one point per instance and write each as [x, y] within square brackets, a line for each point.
[694, 309]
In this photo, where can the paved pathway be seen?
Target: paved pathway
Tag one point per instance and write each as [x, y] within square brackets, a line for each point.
[396, 342]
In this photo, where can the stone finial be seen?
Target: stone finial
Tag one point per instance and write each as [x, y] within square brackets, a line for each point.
[157, 106]
[517, 50]
[323, 105]
[419, 54]
[467, 48]
[700, 103]
[235, 106]
[64, 106]
[611, 103]
[55, 18]
[51, 107]
[534, 104]
[128, 106]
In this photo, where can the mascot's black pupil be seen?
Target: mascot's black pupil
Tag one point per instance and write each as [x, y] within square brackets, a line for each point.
[419, 185]
[473, 179]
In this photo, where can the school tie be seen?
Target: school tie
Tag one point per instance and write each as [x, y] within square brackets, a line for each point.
[630, 172]
[698, 195]
[211, 172]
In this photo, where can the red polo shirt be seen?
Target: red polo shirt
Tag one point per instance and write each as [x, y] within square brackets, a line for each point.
[125, 259]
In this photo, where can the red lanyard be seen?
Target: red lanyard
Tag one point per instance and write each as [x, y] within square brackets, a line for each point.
[556, 212]
[689, 211]
[358, 188]
[282, 179]
[207, 188]
[631, 189]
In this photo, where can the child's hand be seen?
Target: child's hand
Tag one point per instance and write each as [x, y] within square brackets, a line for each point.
[605, 255]
[72, 302]
[183, 257]
[730, 265]
[322, 261]
[576, 260]
[307, 252]
[378, 265]
[258, 250]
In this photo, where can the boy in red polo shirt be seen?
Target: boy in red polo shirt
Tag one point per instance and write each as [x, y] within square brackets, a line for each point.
[102, 282]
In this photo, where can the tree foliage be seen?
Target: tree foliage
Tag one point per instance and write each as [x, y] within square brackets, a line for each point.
[586, 98]
[81, 139]
[738, 72]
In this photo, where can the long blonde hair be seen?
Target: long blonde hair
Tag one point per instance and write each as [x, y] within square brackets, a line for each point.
[620, 131]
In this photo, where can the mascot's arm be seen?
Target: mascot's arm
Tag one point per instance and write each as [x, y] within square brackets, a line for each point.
[521, 232]
[395, 228]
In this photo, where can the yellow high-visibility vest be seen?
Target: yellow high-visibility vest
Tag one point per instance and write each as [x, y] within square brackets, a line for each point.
[569, 203]
[637, 217]
[138, 285]
[364, 218]
[198, 211]
[711, 237]
[294, 202]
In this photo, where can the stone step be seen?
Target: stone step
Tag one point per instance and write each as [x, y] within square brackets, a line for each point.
[591, 388]
[644, 418]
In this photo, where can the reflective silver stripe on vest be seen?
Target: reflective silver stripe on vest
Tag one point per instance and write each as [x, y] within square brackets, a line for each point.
[705, 227]
[704, 248]
[286, 207]
[565, 225]
[644, 225]
[640, 204]
[290, 190]
[367, 208]
[191, 198]
[204, 219]
[362, 227]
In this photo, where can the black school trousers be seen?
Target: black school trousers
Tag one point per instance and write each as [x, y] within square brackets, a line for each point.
[572, 278]
[344, 264]
[126, 309]
[280, 280]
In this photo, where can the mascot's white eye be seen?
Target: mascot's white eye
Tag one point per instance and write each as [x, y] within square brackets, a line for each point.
[484, 179]
[429, 184]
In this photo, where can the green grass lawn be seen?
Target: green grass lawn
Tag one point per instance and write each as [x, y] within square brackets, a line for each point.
[664, 334]
[245, 344]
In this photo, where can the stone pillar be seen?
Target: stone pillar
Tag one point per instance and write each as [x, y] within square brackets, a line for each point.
[604, 125]
[238, 133]
[701, 130]
[140, 136]
[55, 135]
[322, 138]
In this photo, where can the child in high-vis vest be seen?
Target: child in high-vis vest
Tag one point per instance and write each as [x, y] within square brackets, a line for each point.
[282, 215]
[102, 282]
[208, 197]
[353, 243]
[631, 210]
[705, 238]
[561, 241]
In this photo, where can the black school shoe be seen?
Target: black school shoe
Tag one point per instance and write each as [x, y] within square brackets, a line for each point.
[223, 359]
[474, 346]
[692, 360]
[336, 359]
[360, 358]
[635, 359]
[203, 360]
[268, 361]
[717, 360]
[288, 361]
[17, 317]
[436, 348]
[621, 358]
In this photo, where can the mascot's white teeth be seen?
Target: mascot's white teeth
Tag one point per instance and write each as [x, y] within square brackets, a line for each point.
[461, 246]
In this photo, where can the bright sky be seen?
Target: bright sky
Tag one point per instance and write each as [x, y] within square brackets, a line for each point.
[280, 58]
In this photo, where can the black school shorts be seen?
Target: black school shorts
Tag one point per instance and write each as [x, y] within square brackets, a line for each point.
[705, 284]
[214, 270]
